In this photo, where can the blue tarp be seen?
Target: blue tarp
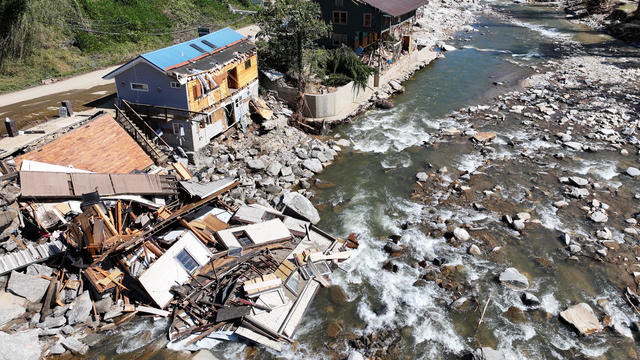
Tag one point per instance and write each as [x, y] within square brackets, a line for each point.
[179, 53]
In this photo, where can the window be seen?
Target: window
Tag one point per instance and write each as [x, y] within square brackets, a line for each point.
[139, 87]
[178, 129]
[190, 264]
[366, 21]
[247, 64]
[340, 17]
[175, 85]
[339, 3]
[242, 238]
[339, 39]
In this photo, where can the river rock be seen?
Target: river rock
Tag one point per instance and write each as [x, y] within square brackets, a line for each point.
[301, 205]
[581, 316]
[599, 217]
[484, 136]
[354, 355]
[604, 234]
[392, 248]
[474, 250]
[23, 345]
[573, 145]
[11, 307]
[461, 234]
[313, 165]
[75, 346]
[529, 299]
[487, 353]
[631, 171]
[29, 287]
[57, 349]
[518, 225]
[256, 164]
[561, 204]
[578, 181]
[422, 176]
[80, 310]
[512, 278]
[51, 322]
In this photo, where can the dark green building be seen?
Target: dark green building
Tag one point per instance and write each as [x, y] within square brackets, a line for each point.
[360, 23]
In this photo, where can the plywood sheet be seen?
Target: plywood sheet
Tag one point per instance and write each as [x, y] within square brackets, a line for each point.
[43, 184]
[101, 145]
[140, 184]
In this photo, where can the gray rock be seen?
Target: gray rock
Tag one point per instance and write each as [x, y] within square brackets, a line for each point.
[574, 248]
[354, 355]
[57, 349]
[104, 305]
[578, 193]
[487, 353]
[518, 225]
[313, 165]
[286, 171]
[512, 278]
[39, 269]
[560, 204]
[80, 310]
[52, 322]
[573, 145]
[529, 299]
[23, 345]
[256, 164]
[343, 142]
[604, 234]
[578, 181]
[392, 247]
[582, 317]
[274, 168]
[631, 171]
[461, 234]
[599, 217]
[75, 346]
[302, 206]
[29, 287]
[67, 329]
[11, 307]
[422, 176]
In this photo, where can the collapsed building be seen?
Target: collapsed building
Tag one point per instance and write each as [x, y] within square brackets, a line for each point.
[124, 235]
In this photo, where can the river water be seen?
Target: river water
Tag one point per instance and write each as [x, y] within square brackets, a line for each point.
[368, 191]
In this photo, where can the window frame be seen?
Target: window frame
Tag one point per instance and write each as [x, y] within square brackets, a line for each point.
[338, 39]
[339, 17]
[247, 64]
[145, 87]
[364, 20]
[175, 85]
[190, 258]
[242, 240]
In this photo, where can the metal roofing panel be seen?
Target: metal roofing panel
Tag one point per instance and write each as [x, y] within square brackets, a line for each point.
[396, 7]
[183, 52]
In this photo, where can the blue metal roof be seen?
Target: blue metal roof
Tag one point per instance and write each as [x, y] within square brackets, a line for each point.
[189, 50]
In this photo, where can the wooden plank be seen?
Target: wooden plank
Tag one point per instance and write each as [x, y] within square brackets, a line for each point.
[106, 220]
[214, 223]
[152, 310]
[181, 170]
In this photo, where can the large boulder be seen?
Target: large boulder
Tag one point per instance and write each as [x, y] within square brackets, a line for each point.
[582, 318]
[11, 307]
[75, 346]
[29, 287]
[81, 309]
[461, 234]
[23, 345]
[300, 205]
[512, 278]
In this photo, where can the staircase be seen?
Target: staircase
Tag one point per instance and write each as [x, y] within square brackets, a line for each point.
[124, 118]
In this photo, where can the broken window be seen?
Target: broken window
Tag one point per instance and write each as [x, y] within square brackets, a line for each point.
[294, 283]
[139, 87]
[242, 238]
[340, 17]
[190, 264]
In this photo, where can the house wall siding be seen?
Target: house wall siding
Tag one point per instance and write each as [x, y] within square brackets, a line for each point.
[160, 92]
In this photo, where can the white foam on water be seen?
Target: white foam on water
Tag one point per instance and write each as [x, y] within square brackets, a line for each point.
[603, 169]
[396, 160]
[139, 334]
[550, 304]
[549, 218]
[487, 50]
[531, 54]
[470, 162]
[545, 31]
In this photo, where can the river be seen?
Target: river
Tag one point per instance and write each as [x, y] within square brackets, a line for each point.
[368, 191]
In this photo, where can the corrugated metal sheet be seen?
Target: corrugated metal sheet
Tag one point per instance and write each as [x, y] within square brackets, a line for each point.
[396, 7]
[183, 52]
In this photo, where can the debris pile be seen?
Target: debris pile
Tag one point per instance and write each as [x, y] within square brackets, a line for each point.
[153, 242]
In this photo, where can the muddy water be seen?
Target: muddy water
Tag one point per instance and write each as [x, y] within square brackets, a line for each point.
[36, 111]
[368, 191]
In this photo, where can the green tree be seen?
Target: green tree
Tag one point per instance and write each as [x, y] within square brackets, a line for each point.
[288, 28]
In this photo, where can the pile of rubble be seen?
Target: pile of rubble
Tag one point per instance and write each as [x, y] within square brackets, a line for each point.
[83, 251]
